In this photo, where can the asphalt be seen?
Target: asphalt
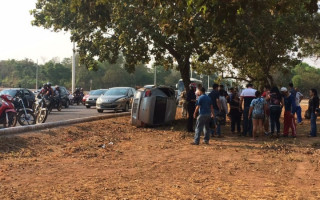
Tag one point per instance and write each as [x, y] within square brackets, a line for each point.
[73, 112]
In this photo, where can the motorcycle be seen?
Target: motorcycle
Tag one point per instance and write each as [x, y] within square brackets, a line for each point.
[25, 115]
[55, 103]
[77, 98]
[40, 110]
[8, 115]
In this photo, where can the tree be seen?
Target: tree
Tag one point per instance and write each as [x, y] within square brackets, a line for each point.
[172, 31]
[265, 40]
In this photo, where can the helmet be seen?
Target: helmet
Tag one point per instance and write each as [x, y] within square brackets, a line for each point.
[44, 85]
[81, 89]
[57, 86]
[49, 84]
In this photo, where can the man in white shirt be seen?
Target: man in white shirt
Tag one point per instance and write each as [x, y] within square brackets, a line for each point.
[299, 98]
[246, 97]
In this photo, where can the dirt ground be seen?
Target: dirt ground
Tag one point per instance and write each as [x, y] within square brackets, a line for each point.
[111, 159]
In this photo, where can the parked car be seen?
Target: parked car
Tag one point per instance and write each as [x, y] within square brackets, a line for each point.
[29, 97]
[93, 96]
[117, 98]
[154, 106]
[64, 96]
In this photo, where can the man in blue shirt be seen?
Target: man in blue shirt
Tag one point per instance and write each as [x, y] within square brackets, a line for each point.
[204, 105]
[289, 109]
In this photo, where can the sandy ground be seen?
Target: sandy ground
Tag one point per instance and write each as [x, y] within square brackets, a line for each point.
[112, 160]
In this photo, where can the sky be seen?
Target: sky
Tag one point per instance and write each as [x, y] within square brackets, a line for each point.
[20, 40]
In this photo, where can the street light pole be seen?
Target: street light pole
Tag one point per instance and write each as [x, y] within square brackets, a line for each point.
[37, 75]
[73, 68]
[155, 75]
[208, 82]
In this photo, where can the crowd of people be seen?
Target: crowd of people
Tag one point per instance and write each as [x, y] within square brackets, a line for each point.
[258, 112]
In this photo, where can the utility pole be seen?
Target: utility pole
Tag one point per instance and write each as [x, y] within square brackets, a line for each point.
[37, 75]
[155, 75]
[208, 82]
[191, 72]
[73, 68]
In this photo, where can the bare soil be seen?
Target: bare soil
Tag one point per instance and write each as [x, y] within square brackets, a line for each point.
[111, 159]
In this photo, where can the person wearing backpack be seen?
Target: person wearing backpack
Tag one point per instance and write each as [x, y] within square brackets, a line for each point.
[275, 106]
[258, 108]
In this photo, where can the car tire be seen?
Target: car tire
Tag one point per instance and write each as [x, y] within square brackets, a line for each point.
[100, 111]
[67, 104]
[126, 108]
[88, 106]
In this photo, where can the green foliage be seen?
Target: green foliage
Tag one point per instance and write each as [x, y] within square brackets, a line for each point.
[14, 73]
[306, 77]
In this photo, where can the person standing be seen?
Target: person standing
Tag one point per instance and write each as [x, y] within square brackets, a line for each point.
[289, 109]
[214, 95]
[299, 98]
[191, 104]
[246, 97]
[205, 109]
[313, 105]
[224, 105]
[183, 100]
[235, 113]
[266, 96]
[275, 106]
[258, 108]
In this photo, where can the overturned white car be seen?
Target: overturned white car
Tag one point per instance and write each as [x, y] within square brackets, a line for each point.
[153, 106]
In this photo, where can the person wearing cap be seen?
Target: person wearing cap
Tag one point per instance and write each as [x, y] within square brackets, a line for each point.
[289, 110]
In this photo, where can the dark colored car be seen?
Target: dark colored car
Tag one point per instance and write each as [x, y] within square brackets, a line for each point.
[64, 96]
[117, 98]
[93, 96]
[28, 95]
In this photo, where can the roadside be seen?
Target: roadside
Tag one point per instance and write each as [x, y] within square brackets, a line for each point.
[110, 159]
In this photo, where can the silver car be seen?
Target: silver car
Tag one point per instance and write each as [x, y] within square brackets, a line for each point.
[117, 98]
[93, 96]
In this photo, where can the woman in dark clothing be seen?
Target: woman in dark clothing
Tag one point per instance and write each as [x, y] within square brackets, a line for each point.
[235, 114]
[276, 103]
[313, 105]
[191, 105]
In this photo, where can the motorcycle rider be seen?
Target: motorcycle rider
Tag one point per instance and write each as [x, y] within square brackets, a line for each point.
[57, 95]
[43, 91]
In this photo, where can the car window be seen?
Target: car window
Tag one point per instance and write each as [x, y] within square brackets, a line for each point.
[9, 92]
[130, 93]
[26, 93]
[97, 92]
[117, 92]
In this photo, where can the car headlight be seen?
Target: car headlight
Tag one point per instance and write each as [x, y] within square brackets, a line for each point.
[99, 100]
[121, 99]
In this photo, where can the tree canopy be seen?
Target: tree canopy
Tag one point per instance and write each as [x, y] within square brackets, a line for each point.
[253, 38]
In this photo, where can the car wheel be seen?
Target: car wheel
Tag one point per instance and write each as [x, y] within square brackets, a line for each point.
[100, 111]
[67, 104]
[88, 106]
[126, 108]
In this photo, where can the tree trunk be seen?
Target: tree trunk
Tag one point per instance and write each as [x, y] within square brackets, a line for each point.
[184, 68]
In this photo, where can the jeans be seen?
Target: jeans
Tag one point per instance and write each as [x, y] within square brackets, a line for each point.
[202, 124]
[235, 121]
[298, 111]
[313, 123]
[218, 128]
[191, 109]
[275, 113]
[247, 123]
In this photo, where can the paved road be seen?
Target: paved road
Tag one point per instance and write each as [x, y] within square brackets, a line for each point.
[73, 112]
